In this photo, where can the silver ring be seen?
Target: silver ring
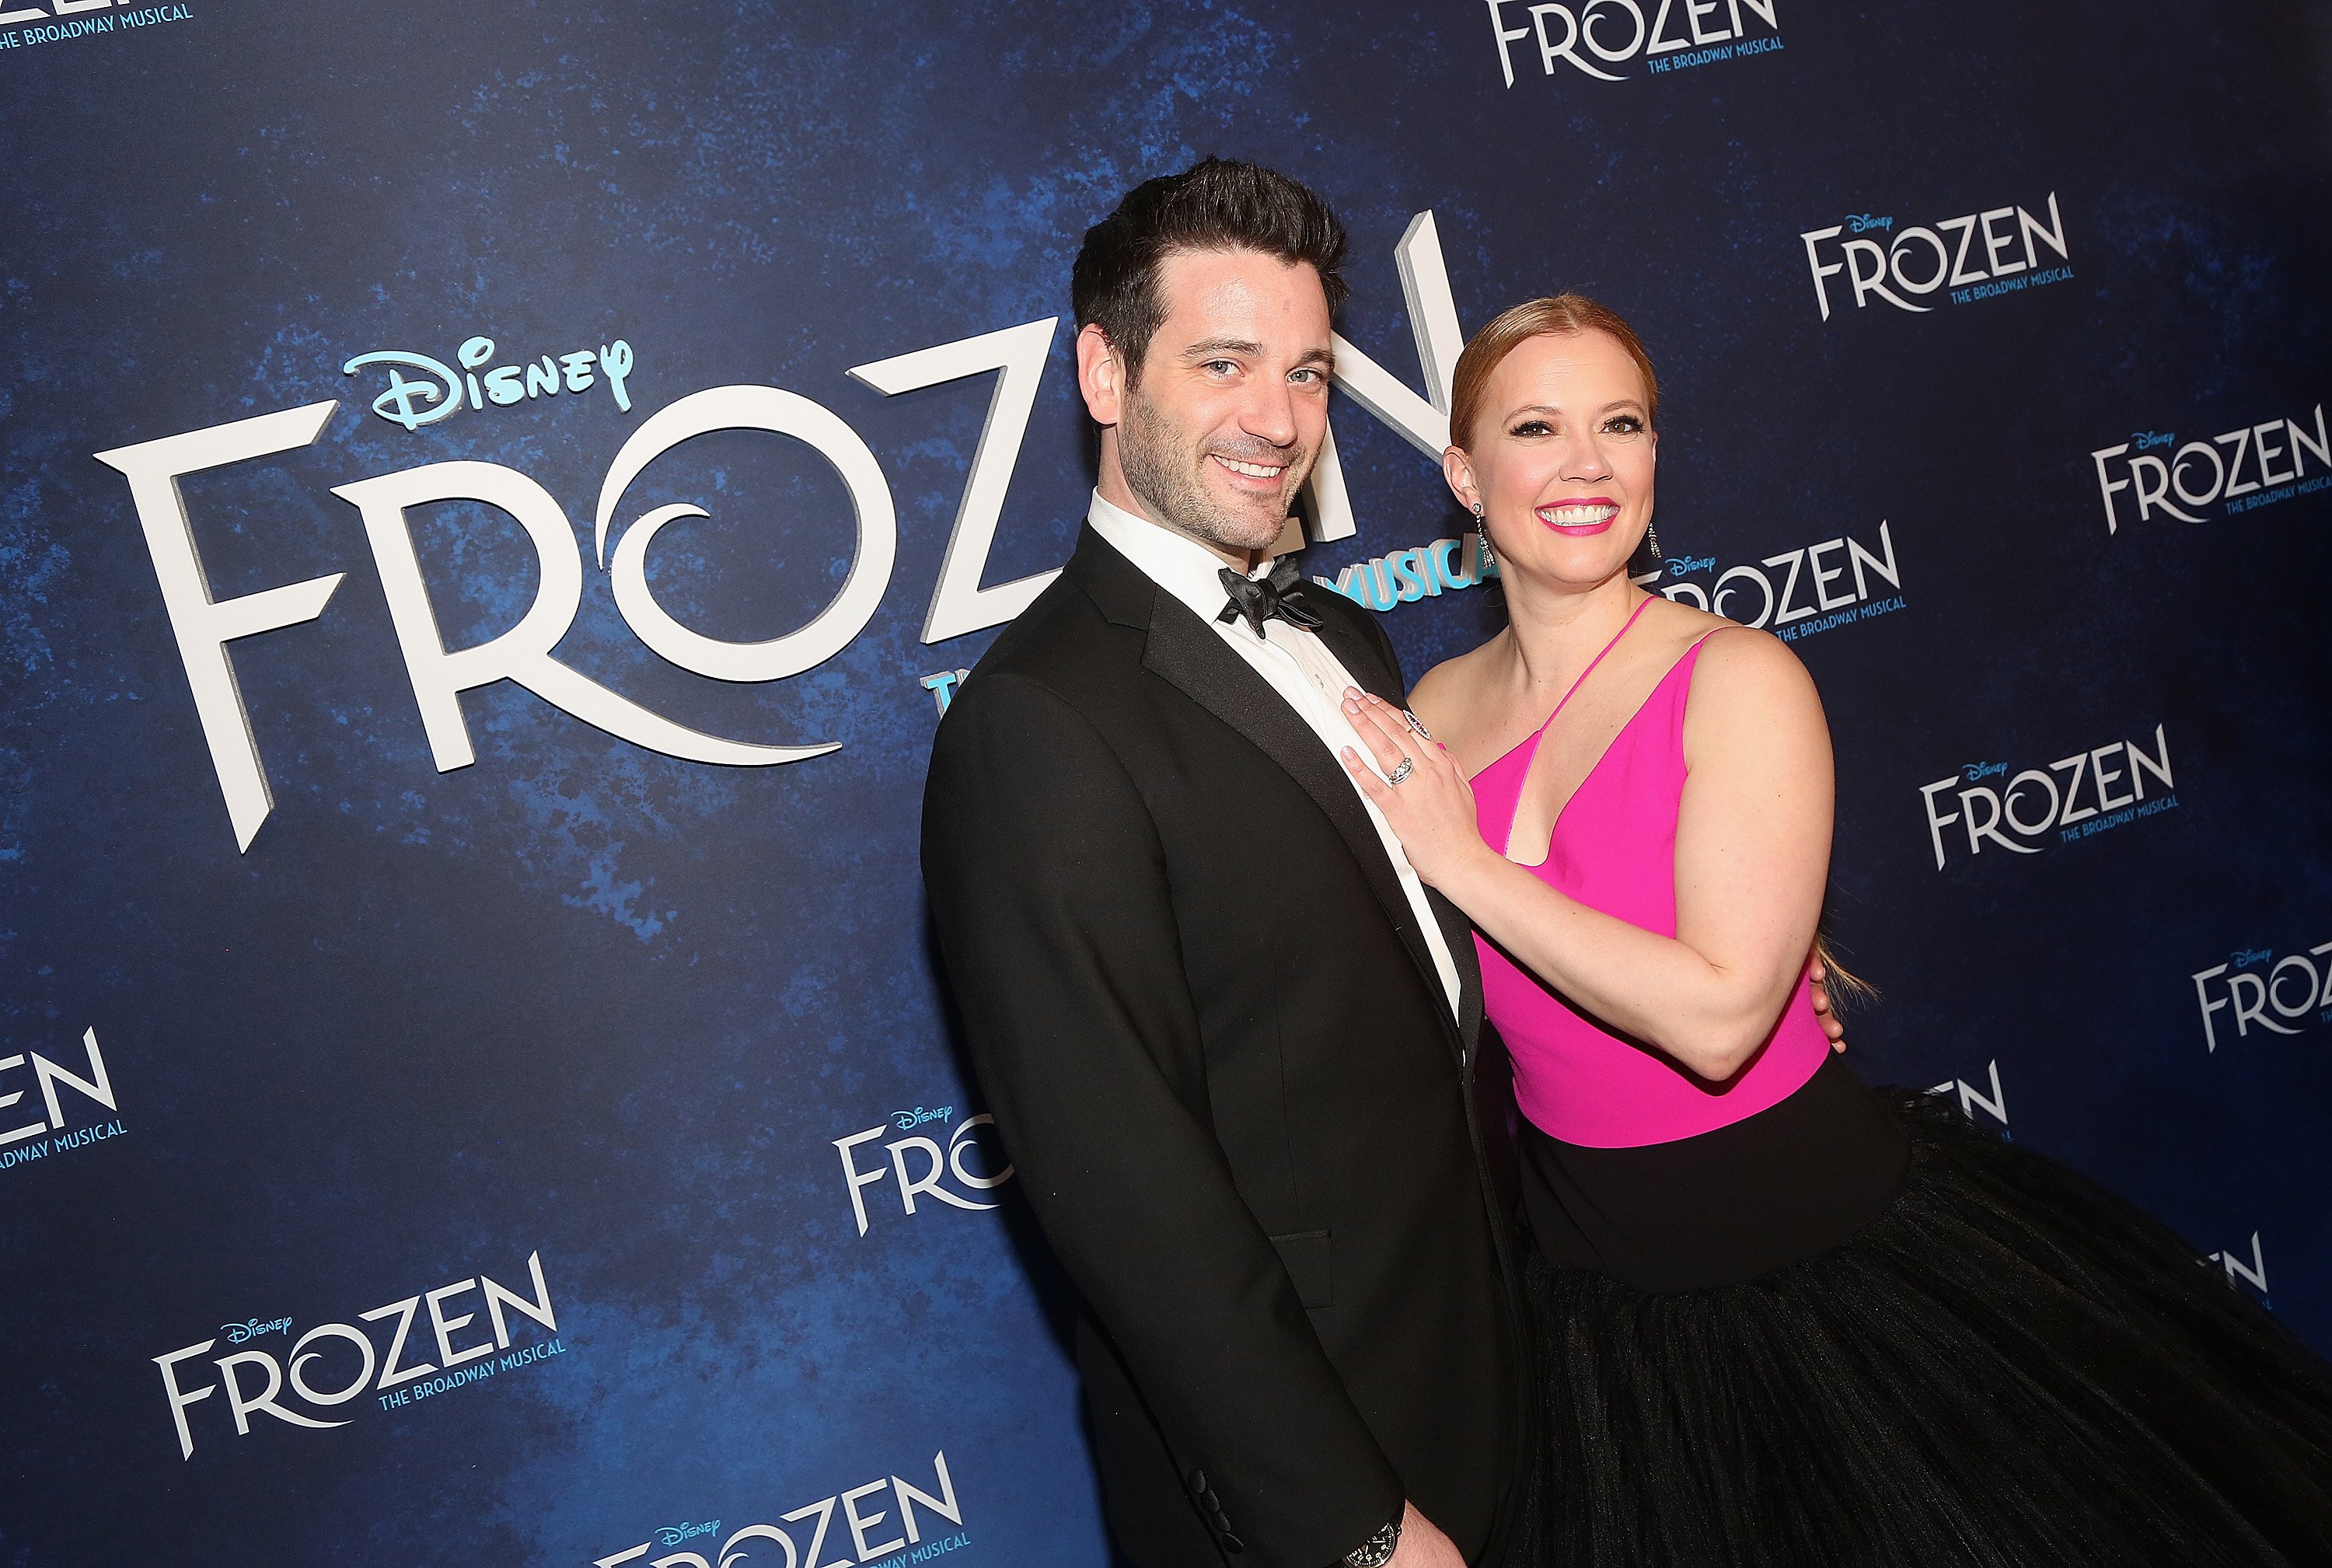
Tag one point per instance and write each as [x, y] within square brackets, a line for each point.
[1401, 772]
[1416, 723]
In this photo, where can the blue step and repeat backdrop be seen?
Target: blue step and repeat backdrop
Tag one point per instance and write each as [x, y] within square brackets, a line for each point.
[498, 496]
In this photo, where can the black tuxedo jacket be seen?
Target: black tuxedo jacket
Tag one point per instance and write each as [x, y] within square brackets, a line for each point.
[1219, 1054]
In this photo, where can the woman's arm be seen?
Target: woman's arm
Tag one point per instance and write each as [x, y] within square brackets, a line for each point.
[1751, 860]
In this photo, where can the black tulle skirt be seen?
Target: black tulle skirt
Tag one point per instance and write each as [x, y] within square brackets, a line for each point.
[2009, 1367]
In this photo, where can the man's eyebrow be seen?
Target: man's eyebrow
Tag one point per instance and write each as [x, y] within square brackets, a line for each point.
[1208, 347]
[1317, 356]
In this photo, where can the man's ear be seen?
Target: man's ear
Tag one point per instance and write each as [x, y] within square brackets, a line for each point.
[1101, 375]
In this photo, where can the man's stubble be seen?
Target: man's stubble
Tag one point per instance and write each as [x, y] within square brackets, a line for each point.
[1164, 476]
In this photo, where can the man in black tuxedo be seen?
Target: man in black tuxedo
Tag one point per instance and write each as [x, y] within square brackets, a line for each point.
[1234, 1047]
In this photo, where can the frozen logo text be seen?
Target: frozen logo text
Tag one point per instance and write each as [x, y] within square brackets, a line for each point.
[1984, 247]
[344, 1356]
[204, 624]
[2281, 996]
[2250, 465]
[39, 1138]
[964, 1158]
[820, 1528]
[1796, 593]
[1593, 35]
[2084, 793]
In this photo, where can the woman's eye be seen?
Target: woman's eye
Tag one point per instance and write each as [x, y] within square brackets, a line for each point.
[1624, 425]
[1531, 427]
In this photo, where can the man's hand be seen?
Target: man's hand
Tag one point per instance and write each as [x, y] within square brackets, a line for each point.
[1828, 1019]
[1421, 1545]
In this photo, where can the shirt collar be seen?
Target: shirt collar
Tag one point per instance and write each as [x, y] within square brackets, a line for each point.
[1182, 566]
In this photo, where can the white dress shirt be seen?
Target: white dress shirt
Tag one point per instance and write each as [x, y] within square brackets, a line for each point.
[1295, 661]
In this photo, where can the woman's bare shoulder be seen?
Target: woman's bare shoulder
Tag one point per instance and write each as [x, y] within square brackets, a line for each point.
[1680, 622]
[1749, 663]
[1748, 683]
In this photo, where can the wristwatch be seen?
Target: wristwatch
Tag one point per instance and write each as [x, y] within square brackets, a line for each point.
[1376, 1550]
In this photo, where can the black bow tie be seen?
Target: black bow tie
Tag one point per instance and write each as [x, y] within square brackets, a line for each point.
[1260, 599]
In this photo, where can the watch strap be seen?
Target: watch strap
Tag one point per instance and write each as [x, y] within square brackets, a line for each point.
[1376, 1550]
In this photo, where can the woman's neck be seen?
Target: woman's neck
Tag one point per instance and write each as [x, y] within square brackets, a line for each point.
[1553, 631]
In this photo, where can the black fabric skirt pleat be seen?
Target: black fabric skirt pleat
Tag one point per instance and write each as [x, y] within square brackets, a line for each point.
[2007, 1367]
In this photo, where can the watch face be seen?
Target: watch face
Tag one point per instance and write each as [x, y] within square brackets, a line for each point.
[1378, 1549]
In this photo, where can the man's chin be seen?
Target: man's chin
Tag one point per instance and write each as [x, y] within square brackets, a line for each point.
[1251, 523]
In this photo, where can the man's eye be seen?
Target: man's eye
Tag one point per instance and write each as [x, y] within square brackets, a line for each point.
[1308, 376]
[1221, 366]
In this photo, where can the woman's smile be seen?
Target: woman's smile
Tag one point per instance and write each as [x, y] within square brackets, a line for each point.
[1581, 516]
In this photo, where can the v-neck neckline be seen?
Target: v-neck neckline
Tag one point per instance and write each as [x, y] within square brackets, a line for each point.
[1530, 764]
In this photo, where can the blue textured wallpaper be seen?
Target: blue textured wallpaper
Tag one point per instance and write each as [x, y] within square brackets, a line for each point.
[588, 1008]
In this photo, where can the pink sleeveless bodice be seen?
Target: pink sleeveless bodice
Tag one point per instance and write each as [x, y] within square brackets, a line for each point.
[1614, 849]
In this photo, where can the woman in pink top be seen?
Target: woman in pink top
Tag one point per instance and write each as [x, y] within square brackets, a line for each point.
[1783, 1319]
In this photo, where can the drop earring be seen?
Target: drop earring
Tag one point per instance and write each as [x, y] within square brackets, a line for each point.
[1481, 529]
[1652, 540]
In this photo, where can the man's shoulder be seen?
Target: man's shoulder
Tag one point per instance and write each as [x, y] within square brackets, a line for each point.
[1065, 659]
[1062, 634]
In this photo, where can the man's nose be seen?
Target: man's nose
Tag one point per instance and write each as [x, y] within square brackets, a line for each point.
[1268, 412]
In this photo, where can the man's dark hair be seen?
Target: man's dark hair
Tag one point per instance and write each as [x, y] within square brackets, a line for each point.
[1215, 205]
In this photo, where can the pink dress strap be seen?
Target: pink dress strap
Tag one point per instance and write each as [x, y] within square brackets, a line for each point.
[1613, 848]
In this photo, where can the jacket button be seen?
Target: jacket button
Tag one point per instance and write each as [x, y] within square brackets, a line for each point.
[1197, 1479]
[1232, 1544]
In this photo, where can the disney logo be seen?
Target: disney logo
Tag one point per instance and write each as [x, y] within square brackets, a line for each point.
[2244, 957]
[674, 1534]
[2142, 439]
[1678, 565]
[238, 1333]
[414, 404]
[1975, 770]
[1862, 223]
[904, 1120]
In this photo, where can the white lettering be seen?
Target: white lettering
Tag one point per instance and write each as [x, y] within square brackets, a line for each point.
[204, 625]
[522, 653]
[444, 1326]
[780, 413]
[2203, 998]
[96, 1086]
[179, 1399]
[1813, 237]
[960, 606]
[539, 1309]
[1505, 36]
[944, 1504]
[390, 1374]
[857, 1179]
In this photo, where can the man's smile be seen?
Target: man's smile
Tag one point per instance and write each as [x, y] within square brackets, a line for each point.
[1261, 472]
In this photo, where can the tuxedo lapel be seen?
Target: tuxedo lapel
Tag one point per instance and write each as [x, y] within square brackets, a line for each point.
[1367, 666]
[1458, 932]
[1186, 653]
